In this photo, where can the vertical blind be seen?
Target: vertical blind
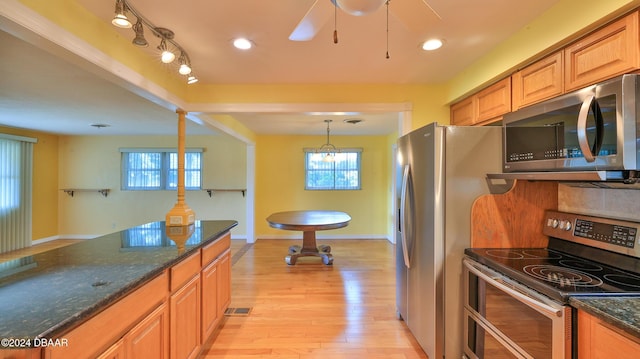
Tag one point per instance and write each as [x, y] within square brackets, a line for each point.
[16, 172]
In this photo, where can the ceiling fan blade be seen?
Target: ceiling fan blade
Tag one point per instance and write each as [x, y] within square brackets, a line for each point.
[416, 15]
[318, 15]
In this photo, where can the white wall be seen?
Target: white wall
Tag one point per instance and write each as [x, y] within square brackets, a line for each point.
[94, 162]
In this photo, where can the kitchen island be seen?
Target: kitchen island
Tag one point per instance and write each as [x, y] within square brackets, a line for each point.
[57, 301]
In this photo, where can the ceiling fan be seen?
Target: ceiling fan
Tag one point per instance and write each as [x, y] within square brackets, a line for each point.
[412, 13]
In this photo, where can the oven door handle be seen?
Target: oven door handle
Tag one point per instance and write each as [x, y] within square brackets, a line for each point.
[550, 311]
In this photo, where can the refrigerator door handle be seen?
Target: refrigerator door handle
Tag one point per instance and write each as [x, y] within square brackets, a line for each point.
[403, 215]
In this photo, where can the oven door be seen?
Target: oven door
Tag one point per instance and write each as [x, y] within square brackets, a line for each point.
[505, 319]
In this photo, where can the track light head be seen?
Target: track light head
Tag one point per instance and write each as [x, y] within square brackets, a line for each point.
[192, 79]
[139, 40]
[166, 56]
[185, 66]
[120, 19]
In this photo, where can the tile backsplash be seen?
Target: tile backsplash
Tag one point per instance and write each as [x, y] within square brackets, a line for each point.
[613, 203]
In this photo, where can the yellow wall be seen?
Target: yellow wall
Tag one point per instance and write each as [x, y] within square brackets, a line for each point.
[45, 182]
[565, 20]
[280, 184]
[95, 162]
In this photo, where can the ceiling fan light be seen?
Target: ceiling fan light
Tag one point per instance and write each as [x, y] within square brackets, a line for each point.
[432, 44]
[359, 7]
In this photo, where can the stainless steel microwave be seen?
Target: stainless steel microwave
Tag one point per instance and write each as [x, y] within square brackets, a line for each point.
[592, 130]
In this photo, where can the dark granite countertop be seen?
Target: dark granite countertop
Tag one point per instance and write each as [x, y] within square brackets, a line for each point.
[46, 294]
[620, 311]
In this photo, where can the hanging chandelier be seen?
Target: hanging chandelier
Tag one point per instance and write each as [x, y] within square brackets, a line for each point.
[167, 46]
[328, 149]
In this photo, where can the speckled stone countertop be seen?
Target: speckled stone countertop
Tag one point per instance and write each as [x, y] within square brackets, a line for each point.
[46, 294]
[620, 311]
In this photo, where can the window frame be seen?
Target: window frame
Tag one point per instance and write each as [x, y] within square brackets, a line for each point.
[164, 169]
[312, 151]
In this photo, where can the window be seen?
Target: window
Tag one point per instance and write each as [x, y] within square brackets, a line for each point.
[341, 173]
[16, 181]
[157, 169]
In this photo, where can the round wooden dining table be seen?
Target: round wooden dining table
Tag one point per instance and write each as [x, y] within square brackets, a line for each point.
[309, 222]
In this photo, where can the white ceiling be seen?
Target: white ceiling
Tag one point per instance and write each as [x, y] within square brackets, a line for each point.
[50, 93]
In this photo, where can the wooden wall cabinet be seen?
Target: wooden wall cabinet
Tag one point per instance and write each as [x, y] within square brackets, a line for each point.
[483, 107]
[462, 113]
[610, 51]
[539, 81]
[600, 340]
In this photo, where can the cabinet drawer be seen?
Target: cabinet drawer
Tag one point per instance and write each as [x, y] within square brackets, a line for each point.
[185, 270]
[213, 250]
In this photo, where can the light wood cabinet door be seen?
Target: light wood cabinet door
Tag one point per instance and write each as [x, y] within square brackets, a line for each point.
[483, 107]
[600, 340]
[150, 338]
[608, 52]
[116, 351]
[185, 320]
[539, 81]
[224, 282]
[210, 310]
[494, 101]
[462, 113]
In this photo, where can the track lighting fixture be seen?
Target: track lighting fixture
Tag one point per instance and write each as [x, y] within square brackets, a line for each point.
[168, 46]
[139, 40]
[167, 56]
[192, 79]
[120, 19]
[185, 65]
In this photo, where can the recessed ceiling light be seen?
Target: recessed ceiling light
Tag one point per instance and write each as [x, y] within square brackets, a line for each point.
[242, 43]
[432, 44]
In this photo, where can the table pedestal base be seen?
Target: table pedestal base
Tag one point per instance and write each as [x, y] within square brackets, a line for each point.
[308, 249]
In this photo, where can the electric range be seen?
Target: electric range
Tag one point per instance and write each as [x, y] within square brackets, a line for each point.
[586, 255]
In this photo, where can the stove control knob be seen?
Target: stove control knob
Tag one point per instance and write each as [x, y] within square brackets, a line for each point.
[554, 223]
[564, 225]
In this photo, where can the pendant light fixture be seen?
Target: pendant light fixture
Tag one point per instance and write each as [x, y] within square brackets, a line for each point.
[168, 46]
[328, 149]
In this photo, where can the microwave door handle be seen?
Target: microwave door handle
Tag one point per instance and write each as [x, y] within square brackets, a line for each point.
[583, 141]
[519, 296]
[403, 218]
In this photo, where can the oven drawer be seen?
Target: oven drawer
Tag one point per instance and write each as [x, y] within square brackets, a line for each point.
[481, 342]
[531, 325]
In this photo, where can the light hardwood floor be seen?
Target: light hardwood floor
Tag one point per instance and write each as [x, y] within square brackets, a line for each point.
[311, 310]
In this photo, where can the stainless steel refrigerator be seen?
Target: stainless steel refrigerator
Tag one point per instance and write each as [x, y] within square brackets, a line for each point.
[442, 170]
